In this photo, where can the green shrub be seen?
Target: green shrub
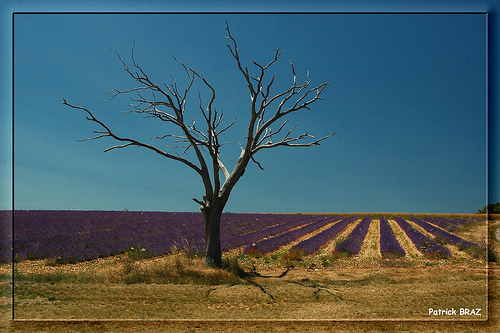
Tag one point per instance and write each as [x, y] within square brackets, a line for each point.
[490, 209]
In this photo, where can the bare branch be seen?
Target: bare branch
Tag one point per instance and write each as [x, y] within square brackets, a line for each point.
[119, 146]
[199, 202]
[288, 142]
[130, 142]
[235, 54]
[269, 133]
[223, 168]
[225, 128]
[276, 56]
[260, 166]
[263, 127]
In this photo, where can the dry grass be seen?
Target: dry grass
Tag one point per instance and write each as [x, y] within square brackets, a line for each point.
[371, 247]
[176, 268]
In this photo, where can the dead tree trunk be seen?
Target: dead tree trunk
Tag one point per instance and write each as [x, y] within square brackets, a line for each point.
[213, 251]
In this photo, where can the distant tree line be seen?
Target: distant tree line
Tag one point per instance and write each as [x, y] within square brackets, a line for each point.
[490, 209]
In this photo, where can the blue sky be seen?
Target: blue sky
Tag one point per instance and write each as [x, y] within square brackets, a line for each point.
[407, 99]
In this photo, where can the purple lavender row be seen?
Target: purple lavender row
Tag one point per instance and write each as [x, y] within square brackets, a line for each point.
[233, 225]
[79, 236]
[440, 223]
[239, 223]
[423, 243]
[272, 244]
[36, 223]
[352, 244]
[389, 245]
[255, 236]
[314, 243]
[450, 238]
[457, 222]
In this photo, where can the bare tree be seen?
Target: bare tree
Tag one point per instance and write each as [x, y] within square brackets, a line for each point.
[168, 104]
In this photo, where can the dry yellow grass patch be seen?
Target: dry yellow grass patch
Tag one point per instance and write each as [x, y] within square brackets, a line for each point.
[40, 267]
[371, 245]
[475, 234]
[174, 268]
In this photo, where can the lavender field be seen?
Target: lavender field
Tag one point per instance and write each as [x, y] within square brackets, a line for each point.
[74, 236]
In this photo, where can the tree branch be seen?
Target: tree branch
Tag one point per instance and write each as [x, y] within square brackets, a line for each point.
[223, 168]
[288, 142]
[260, 166]
[130, 142]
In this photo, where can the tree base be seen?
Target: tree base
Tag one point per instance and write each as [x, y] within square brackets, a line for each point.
[213, 262]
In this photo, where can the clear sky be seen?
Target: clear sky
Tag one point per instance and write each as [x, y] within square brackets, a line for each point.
[407, 99]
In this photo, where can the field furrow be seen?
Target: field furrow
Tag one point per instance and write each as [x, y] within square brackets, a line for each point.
[371, 246]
